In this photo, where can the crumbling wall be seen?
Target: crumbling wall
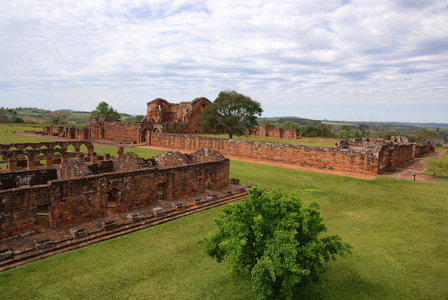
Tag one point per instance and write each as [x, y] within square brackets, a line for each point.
[129, 161]
[391, 153]
[72, 168]
[80, 199]
[16, 179]
[273, 132]
[361, 161]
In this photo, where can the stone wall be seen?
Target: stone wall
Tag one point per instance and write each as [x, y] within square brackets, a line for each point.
[80, 199]
[361, 161]
[273, 132]
[391, 153]
[16, 179]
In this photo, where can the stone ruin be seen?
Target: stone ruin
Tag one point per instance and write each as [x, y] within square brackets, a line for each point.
[81, 188]
[161, 116]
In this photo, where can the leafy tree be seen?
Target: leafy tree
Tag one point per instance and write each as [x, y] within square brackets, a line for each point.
[103, 108]
[343, 134]
[292, 125]
[425, 134]
[138, 118]
[3, 115]
[16, 119]
[231, 112]
[264, 122]
[436, 165]
[276, 238]
[58, 117]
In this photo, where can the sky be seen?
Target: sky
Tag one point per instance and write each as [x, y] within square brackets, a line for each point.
[352, 60]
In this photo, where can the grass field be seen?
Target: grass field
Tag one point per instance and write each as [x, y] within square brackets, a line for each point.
[322, 142]
[7, 137]
[398, 229]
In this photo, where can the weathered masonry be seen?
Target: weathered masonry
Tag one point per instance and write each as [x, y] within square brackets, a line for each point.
[77, 190]
[366, 156]
[30, 155]
[161, 116]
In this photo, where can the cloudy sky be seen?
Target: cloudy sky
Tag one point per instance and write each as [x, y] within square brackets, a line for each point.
[382, 60]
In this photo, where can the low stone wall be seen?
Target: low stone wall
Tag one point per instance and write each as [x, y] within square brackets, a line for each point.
[361, 161]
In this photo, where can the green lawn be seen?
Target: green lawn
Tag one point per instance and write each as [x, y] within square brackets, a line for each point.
[7, 136]
[398, 229]
[322, 142]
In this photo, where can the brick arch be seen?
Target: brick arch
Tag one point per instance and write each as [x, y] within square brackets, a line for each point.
[144, 132]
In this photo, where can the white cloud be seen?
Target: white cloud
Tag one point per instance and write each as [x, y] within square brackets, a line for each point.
[291, 53]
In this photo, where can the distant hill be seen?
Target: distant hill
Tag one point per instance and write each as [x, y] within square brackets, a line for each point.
[281, 120]
[69, 111]
[419, 124]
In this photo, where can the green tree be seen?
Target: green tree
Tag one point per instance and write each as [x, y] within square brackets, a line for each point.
[276, 238]
[58, 117]
[103, 108]
[138, 118]
[343, 134]
[231, 112]
[436, 166]
[424, 134]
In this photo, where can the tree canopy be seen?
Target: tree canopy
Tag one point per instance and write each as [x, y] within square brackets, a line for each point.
[103, 108]
[232, 113]
[277, 239]
[436, 166]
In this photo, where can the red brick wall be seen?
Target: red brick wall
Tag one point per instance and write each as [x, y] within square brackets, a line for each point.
[403, 153]
[77, 200]
[319, 157]
[122, 131]
[273, 132]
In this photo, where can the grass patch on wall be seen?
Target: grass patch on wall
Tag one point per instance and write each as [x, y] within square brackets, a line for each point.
[398, 229]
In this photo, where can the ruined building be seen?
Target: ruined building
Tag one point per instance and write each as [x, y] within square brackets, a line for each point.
[83, 186]
[161, 116]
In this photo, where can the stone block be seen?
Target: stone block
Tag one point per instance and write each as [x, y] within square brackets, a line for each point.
[179, 206]
[110, 225]
[40, 244]
[198, 201]
[158, 211]
[5, 254]
[78, 233]
[135, 217]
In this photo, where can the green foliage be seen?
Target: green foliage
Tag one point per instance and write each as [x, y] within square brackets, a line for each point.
[275, 237]
[292, 125]
[17, 120]
[103, 108]
[425, 134]
[343, 134]
[138, 118]
[231, 112]
[58, 117]
[436, 166]
[314, 129]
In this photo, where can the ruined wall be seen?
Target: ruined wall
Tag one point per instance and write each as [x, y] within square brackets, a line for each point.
[11, 180]
[391, 153]
[273, 132]
[120, 131]
[361, 161]
[80, 199]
